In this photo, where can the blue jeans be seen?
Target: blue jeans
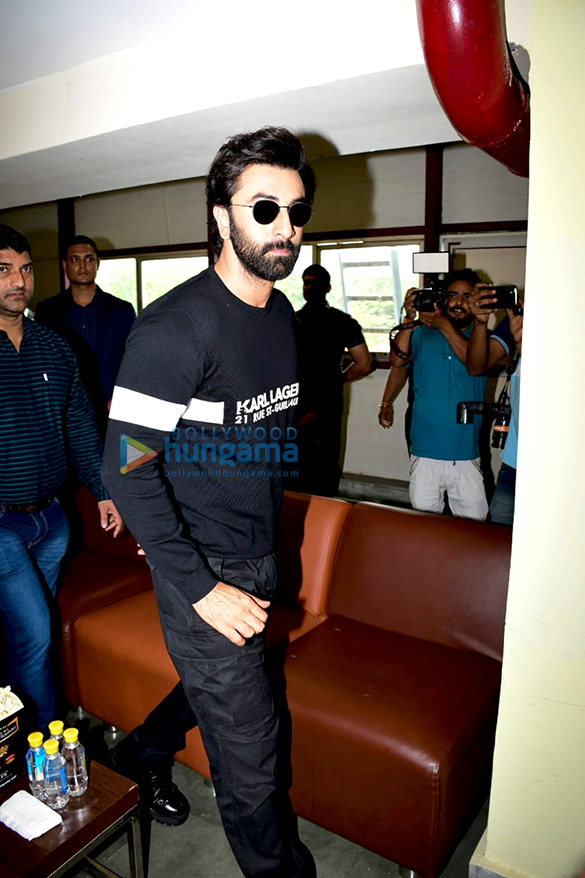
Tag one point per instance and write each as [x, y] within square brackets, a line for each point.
[502, 505]
[31, 549]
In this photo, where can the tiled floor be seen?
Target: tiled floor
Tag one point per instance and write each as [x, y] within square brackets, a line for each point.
[199, 849]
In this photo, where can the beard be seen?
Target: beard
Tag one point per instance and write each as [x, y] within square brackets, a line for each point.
[255, 260]
[460, 320]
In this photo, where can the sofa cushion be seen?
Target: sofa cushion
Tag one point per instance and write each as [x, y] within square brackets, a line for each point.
[124, 669]
[433, 577]
[392, 738]
[309, 534]
[310, 530]
[94, 579]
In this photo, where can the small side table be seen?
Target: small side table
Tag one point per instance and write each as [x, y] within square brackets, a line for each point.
[111, 802]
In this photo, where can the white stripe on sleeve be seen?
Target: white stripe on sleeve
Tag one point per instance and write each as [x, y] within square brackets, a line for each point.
[144, 410]
[205, 410]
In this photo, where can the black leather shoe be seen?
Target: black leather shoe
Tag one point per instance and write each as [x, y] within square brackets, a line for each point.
[164, 799]
[167, 802]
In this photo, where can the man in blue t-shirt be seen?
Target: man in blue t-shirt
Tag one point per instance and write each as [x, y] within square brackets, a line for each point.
[444, 455]
[485, 350]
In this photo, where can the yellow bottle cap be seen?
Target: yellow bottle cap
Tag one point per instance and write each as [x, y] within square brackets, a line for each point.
[35, 739]
[51, 746]
[56, 727]
[70, 735]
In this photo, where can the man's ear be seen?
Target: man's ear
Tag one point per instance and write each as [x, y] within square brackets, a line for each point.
[221, 216]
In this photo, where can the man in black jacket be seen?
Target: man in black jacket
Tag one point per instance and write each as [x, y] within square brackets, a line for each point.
[94, 323]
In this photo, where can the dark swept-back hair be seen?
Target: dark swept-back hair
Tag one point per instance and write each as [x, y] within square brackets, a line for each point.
[468, 275]
[268, 146]
[10, 239]
[80, 239]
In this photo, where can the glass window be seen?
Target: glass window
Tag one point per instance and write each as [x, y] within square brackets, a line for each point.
[369, 282]
[161, 275]
[118, 277]
[292, 286]
[151, 276]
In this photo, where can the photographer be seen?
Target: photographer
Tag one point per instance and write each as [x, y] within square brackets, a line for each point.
[484, 351]
[444, 455]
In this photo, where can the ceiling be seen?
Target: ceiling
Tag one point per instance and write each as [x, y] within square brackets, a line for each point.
[125, 93]
[54, 35]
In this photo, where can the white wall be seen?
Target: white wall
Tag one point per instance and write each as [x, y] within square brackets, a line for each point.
[478, 189]
[371, 450]
[150, 216]
[536, 825]
[191, 63]
[371, 190]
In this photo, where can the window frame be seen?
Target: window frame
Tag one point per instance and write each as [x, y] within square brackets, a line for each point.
[149, 254]
[318, 243]
[368, 240]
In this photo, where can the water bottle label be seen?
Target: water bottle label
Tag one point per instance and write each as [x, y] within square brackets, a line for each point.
[64, 781]
[39, 761]
[34, 763]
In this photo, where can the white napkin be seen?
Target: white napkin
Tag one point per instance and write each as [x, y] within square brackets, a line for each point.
[28, 816]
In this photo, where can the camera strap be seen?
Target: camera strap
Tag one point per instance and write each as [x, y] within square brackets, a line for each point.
[504, 397]
[411, 324]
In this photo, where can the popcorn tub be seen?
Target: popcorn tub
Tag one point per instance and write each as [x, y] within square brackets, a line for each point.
[10, 736]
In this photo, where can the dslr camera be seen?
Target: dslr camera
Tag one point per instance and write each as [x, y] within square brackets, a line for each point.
[500, 411]
[430, 264]
[428, 297]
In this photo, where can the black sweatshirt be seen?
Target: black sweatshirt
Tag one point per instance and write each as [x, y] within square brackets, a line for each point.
[206, 394]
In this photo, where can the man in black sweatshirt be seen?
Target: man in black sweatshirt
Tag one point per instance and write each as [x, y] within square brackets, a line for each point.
[208, 387]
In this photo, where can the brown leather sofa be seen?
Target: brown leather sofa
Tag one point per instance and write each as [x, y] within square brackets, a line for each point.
[104, 571]
[394, 623]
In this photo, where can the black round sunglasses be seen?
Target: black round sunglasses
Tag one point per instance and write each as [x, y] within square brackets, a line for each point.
[265, 211]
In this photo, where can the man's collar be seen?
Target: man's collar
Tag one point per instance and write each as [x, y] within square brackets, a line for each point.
[318, 304]
[28, 327]
[99, 293]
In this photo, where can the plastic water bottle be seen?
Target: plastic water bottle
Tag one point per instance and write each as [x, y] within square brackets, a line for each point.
[55, 773]
[35, 760]
[74, 755]
[56, 731]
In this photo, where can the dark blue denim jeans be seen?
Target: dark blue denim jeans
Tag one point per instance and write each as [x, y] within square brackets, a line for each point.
[503, 501]
[31, 550]
[224, 690]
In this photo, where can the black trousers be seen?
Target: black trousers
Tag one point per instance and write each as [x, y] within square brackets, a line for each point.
[224, 690]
